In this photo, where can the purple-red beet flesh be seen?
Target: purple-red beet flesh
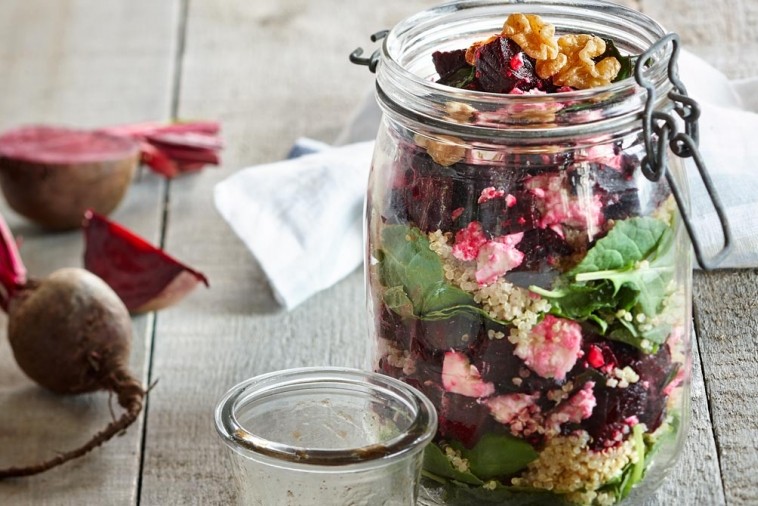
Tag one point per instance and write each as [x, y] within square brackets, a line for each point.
[143, 276]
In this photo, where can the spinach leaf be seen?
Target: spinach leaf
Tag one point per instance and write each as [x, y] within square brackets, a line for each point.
[664, 436]
[628, 269]
[463, 489]
[498, 455]
[460, 78]
[413, 274]
[639, 256]
[461, 495]
[415, 281]
[629, 241]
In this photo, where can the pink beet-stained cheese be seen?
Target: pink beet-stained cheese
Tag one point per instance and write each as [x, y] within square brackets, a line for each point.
[577, 408]
[507, 408]
[468, 241]
[498, 257]
[553, 347]
[460, 377]
[560, 208]
[490, 194]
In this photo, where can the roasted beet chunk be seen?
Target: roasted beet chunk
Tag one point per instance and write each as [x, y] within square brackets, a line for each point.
[424, 196]
[510, 214]
[464, 419]
[644, 399]
[447, 63]
[610, 419]
[393, 327]
[615, 184]
[542, 248]
[501, 66]
[458, 332]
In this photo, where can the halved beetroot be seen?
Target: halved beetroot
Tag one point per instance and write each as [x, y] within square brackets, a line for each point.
[51, 175]
[145, 277]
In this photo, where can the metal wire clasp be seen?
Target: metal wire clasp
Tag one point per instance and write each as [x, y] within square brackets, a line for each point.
[661, 133]
[373, 61]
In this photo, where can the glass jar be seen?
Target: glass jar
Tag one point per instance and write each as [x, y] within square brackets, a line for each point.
[328, 436]
[524, 273]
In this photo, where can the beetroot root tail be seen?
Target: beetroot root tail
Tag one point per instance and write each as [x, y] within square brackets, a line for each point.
[130, 396]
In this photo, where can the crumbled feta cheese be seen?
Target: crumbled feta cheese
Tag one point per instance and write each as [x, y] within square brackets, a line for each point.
[498, 257]
[506, 408]
[601, 153]
[490, 193]
[577, 408]
[468, 241]
[460, 377]
[559, 207]
[551, 348]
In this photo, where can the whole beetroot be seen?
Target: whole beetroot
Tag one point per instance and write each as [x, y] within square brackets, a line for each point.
[71, 334]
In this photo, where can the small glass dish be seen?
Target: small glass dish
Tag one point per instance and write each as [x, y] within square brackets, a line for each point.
[326, 436]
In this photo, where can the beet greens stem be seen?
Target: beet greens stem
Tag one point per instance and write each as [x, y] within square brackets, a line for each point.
[12, 270]
[130, 396]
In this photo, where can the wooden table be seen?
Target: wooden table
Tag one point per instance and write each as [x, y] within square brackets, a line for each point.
[273, 70]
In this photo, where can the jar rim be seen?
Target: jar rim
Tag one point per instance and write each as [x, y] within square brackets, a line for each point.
[419, 431]
[405, 94]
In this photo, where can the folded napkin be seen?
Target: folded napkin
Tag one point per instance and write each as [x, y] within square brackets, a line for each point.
[301, 218]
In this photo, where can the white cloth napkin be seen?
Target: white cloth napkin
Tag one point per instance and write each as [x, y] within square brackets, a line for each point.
[301, 217]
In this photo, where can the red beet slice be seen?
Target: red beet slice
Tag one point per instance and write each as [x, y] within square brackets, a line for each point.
[174, 148]
[145, 277]
[51, 175]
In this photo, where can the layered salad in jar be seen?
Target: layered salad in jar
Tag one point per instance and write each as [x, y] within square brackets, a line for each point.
[533, 296]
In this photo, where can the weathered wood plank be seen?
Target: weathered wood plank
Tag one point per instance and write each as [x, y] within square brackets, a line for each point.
[83, 63]
[270, 71]
[727, 315]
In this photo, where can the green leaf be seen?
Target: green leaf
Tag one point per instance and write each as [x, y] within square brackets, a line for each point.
[460, 78]
[436, 463]
[637, 470]
[664, 435]
[461, 495]
[397, 300]
[630, 269]
[620, 486]
[650, 279]
[406, 261]
[498, 455]
[578, 301]
[628, 242]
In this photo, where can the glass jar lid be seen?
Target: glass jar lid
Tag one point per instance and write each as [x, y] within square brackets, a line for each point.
[325, 417]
